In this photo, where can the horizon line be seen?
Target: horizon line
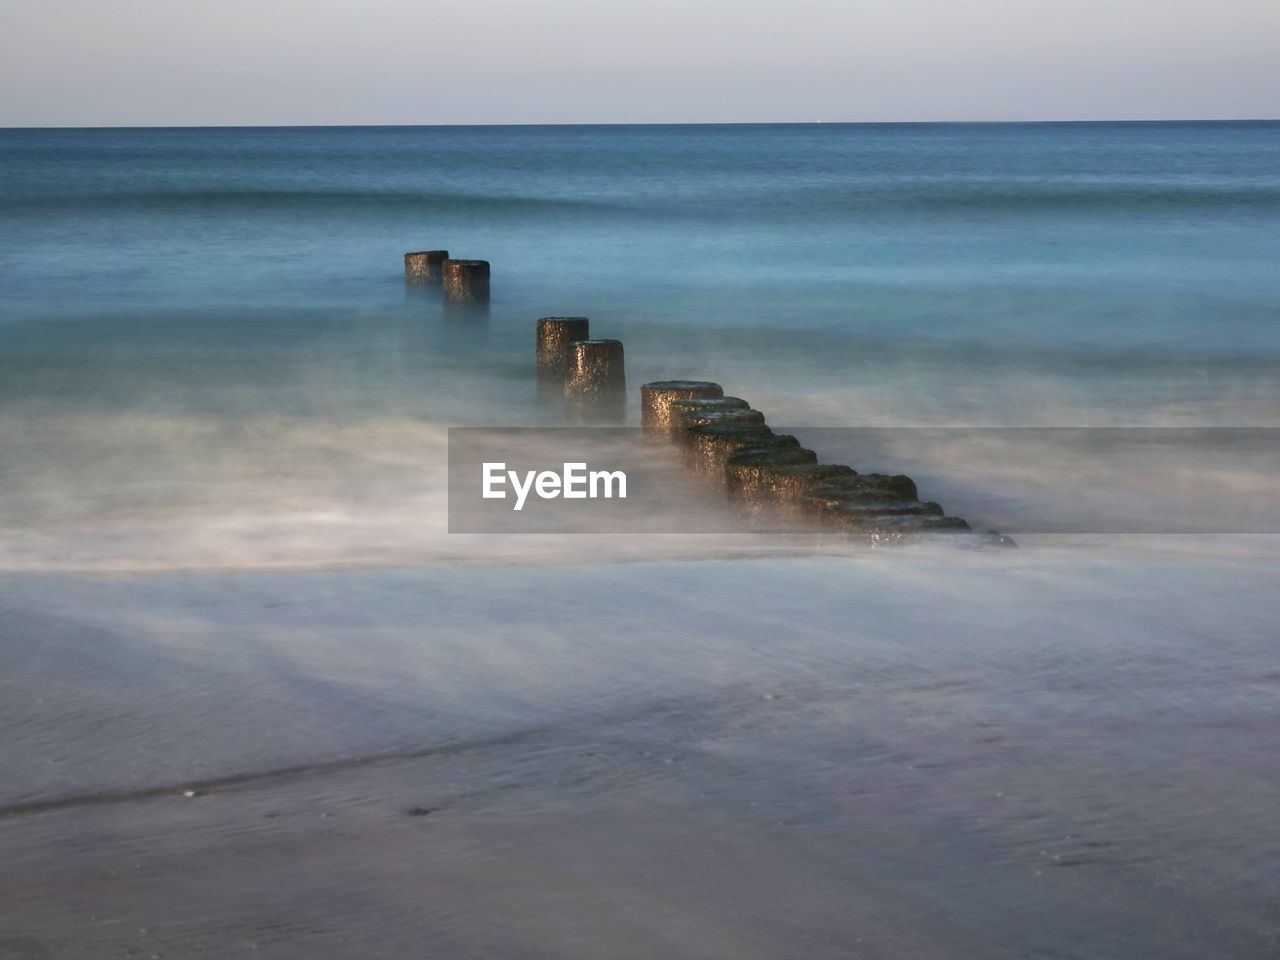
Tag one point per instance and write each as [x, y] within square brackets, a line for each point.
[654, 123]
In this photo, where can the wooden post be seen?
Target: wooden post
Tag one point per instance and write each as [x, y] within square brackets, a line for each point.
[656, 399]
[876, 508]
[466, 279]
[770, 492]
[424, 266]
[749, 461]
[705, 450]
[865, 487]
[555, 338]
[679, 409]
[595, 386]
[689, 419]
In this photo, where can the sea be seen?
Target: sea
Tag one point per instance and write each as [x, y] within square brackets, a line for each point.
[255, 698]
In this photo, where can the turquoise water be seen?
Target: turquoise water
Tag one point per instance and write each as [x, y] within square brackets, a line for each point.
[213, 323]
[1134, 259]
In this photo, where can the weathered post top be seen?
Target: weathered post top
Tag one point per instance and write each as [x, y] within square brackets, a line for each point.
[423, 266]
[656, 399]
[680, 409]
[686, 420]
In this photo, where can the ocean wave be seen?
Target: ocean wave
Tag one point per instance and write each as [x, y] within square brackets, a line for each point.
[959, 198]
[247, 201]
[760, 201]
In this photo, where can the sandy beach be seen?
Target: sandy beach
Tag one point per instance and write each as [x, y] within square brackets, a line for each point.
[924, 754]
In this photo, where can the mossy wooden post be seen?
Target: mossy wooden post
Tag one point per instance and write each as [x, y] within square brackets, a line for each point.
[656, 399]
[466, 280]
[424, 266]
[554, 347]
[595, 385]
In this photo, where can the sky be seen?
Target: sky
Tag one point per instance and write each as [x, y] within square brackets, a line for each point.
[217, 62]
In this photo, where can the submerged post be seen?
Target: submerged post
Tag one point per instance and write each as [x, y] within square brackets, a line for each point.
[595, 386]
[466, 279]
[877, 509]
[891, 528]
[656, 399]
[555, 339]
[424, 266]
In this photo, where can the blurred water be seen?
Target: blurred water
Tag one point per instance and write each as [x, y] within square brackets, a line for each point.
[207, 350]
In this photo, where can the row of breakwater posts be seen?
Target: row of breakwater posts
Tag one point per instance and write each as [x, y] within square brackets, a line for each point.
[462, 280]
[771, 479]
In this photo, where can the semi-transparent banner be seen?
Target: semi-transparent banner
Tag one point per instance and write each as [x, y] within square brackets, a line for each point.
[1120, 480]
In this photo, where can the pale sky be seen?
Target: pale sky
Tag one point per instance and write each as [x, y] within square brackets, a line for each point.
[213, 62]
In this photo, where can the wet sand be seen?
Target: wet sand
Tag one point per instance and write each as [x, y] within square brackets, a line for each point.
[1061, 751]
